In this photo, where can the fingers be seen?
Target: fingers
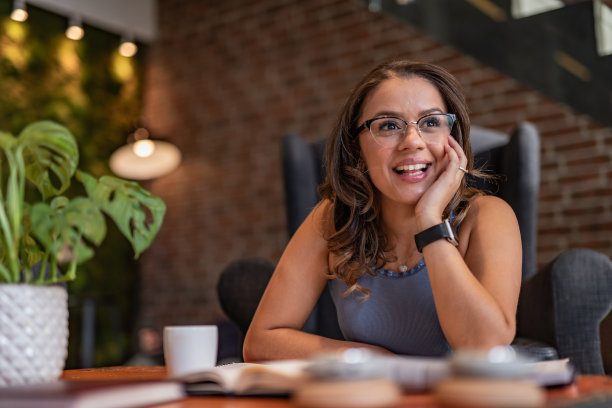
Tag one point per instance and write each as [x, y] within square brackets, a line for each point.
[440, 193]
[457, 158]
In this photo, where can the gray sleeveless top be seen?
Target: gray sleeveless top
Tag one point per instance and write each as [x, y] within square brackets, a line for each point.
[400, 314]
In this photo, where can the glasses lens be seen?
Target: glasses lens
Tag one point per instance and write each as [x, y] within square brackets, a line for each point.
[387, 131]
[436, 125]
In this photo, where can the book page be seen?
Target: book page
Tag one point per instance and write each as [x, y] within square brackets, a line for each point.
[553, 372]
[276, 377]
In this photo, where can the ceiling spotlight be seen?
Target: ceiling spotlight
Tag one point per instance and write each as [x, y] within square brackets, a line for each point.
[19, 12]
[128, 47]
[75, 29]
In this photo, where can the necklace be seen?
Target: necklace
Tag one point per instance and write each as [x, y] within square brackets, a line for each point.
[403, 268]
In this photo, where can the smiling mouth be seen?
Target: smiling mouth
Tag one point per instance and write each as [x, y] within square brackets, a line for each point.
[411, 169]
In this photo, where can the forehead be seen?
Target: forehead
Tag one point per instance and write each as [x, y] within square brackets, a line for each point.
[406, 96]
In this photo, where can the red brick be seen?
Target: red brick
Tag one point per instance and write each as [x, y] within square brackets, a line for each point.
[578, 178]
[595, 192]
[583, 144]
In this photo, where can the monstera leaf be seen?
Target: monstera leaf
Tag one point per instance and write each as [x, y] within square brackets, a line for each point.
[64, 231]
[30, 252]
[51, 156]
[136, 212]
[66, 228]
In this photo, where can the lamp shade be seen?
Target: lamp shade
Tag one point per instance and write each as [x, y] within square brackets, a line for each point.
[145, 159]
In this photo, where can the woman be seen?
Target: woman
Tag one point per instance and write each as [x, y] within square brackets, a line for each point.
[417, 262]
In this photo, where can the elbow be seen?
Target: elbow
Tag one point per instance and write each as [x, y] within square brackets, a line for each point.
[249, 348]
[503, 335]
[487, 339]
[253, 347]
[507, 332]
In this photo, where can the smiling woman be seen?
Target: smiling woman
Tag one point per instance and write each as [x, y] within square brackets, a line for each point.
[403, 279]
[416, 100]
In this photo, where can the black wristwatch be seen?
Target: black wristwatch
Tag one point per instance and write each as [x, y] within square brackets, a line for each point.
[435, 233]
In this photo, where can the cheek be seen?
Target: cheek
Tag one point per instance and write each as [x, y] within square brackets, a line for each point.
[437, 148]
[374, 155]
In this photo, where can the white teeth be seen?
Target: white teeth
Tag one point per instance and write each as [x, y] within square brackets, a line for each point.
[411, 167]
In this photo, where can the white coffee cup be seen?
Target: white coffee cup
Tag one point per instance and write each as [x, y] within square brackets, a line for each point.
[190, 349]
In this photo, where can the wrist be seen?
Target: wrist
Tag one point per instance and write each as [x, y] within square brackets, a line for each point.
[434, 233]
[426, 221]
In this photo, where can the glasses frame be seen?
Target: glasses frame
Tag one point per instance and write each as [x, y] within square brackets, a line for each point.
[368, 123]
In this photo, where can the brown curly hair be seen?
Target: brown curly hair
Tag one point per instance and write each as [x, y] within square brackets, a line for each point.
[352, 232]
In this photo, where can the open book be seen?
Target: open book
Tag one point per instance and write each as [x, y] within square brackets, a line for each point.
[272, 378]
[411, 373]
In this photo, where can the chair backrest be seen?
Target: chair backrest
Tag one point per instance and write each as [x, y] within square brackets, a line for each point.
[302, 174]
[517, 162]
[515, 157]
[240, 288]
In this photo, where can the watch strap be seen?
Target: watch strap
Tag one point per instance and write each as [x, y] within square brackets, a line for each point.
[431, 234]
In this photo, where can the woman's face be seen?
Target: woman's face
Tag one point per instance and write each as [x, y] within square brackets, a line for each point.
[404, 171]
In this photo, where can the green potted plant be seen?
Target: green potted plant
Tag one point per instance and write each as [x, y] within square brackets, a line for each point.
[44, 236]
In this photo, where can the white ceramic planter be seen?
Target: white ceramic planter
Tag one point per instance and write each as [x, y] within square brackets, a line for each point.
[33, 333]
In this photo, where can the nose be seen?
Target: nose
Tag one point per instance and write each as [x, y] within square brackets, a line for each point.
[411, 137]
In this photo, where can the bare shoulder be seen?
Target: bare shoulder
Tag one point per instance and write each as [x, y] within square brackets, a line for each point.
[318, 219]
[322, 210]
[311, 233]
[489, 207]
[488, 217]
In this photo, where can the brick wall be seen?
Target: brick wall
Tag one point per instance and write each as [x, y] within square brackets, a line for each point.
[227, 79]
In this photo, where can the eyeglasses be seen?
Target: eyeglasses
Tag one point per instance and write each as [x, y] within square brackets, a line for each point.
[389, 130]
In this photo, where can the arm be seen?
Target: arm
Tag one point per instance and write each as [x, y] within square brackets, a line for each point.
[476, 286]
[297, 282]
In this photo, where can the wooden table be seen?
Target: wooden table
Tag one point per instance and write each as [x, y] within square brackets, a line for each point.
[584, 386]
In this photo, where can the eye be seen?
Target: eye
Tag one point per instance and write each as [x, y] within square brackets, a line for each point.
[388, 125]
[432, 121]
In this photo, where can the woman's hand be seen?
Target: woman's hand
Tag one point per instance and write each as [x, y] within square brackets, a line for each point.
[431, 205]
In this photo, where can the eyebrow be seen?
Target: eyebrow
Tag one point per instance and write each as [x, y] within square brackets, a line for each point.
[397, 114]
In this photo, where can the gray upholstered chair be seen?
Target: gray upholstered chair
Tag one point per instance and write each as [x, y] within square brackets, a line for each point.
[516, 159]
[565, 304]
[560, 308]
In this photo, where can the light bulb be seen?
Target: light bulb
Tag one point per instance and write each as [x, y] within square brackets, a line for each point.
[19, 15]
[144, 148]
[75, 29]
[128, 48]
[19, 12]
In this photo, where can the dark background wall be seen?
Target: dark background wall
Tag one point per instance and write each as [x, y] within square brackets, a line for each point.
[226, 79]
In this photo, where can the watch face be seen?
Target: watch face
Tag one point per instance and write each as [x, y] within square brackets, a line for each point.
[451, 234]
[449, 229]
